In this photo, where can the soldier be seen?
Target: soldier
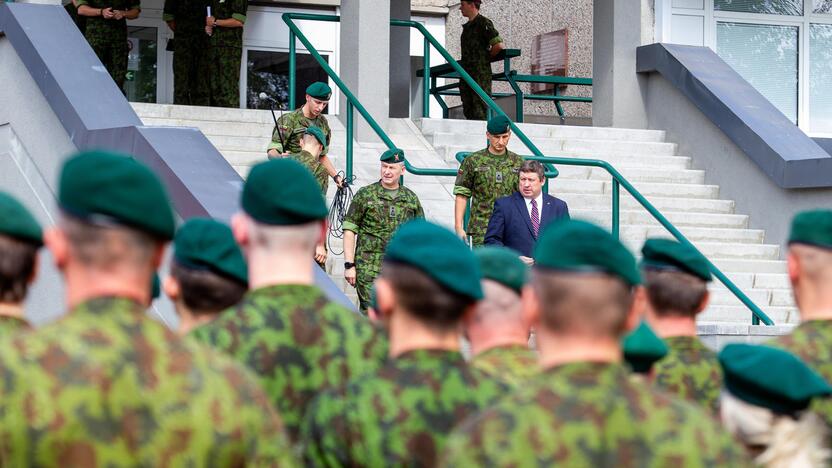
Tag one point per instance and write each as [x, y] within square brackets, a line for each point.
[585, 409]
[480, 42]
[485, 176]
[186, 18]
[20, 240]
[106, 32]
[107, 385]
[676, 279]
[285, 328]
[293, 125]
[497, 330]
[377, 210]
[401, 414]
[810, 272]
[765, 405]
[225, 51]
[642, 349]
[80, 21]
[208, 273]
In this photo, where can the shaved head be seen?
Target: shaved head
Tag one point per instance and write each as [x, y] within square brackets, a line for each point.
[499, 305]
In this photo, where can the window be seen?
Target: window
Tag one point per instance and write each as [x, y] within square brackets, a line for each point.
[140, 81]
[268, 72]
[820, 77]
[766, 56]
[774, 7]
[822, 6]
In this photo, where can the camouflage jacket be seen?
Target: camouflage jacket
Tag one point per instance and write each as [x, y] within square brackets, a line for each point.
[189, 16]
[108, 386]
[478, 35]
[298, 342]
[690, 371]
[510, 364]
[292, 127]
[98, 30]
[485, 177]
[10, 326]
[313, 164]
[375, 214]
[399, 416]
[228, 9]
[811, 341]
[591, 415]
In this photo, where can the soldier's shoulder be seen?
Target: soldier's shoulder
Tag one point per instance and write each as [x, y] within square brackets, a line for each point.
[367, 190]
[409, 192]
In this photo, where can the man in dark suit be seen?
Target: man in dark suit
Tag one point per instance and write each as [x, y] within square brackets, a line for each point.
[518, 219]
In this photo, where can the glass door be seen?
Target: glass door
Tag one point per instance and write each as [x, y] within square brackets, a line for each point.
[141, 82]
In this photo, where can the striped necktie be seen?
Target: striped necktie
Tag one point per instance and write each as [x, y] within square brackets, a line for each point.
[535, 218]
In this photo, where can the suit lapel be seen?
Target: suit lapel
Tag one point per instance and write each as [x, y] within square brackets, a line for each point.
[520, 204]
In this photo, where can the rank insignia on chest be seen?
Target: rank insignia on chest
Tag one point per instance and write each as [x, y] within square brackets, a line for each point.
[392, 211]
[499, 177]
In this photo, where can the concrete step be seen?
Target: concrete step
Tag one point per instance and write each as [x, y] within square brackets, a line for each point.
[740, 313]
[432, 126]
[720, 250]
[553, 146]
[635, 174]
[728, 265]
[703, 234]
[649, 189]
[216, 128]
[695, 205]
[772, 281]
[782, 297]
[641, 217]
[617, 160]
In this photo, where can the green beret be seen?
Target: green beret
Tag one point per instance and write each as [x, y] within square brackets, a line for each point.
[317, 133]
[155, 286]
[17, 222]
[394, 155]
[813, 228]
[115, 188]
[319, 90]
[502, 265]
[282, 192]
[203, 243]
[642, 348]
[438, 253]
[667, 254]
[579, 246]
[770, 377]
[498, 125]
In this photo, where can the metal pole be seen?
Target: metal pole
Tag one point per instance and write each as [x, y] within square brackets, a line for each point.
[291, 70]
[615, 207]
[349, 138]
[426, 81]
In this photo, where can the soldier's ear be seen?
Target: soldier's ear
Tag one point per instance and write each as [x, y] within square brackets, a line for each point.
[637, 308]
[240, 229]
[171, 288]
[58, 245]
[706, 299]
[531, 306]
[35, 269]
[385, 297]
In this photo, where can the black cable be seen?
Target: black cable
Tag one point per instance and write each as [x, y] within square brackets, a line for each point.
[338, 211]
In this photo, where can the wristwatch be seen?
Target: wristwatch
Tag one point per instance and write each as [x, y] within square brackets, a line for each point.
[348, 265]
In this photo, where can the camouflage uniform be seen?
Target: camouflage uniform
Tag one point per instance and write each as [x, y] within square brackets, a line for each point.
[511, 364]
[811, 341]
[225, 53]
[298, 342]
[591, 414]
[108, 37]
[293, 125]
[189, 50]
[373, 216]
[313, 164]
[478, 35]
[690, 371]
[11, 325]
[485, 177]
[400, 416]
[108, 386]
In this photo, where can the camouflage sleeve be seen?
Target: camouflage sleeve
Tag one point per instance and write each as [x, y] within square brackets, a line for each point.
[277, 143]
[464, 183]
[323, 432]
[469, 443]
[238, 10]
[328, 133]
[355, 214]
[491, 33]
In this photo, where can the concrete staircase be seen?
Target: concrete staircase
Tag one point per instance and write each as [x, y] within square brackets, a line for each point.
[643, 157]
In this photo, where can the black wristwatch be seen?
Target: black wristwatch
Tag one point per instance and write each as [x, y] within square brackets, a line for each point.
[348, 265]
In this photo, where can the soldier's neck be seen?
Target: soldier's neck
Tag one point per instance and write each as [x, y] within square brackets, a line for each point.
[481, 342]
[393, 186]
[407, 333]
[666, 327]
[11, 310]
[83, 285]
[274, 268]
[559, 349]
[495, 152]
[306, 112]
[189, 320]
[313, 152]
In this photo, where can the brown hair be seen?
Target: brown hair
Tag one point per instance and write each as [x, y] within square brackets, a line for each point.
[674, 293]
[205, 292]
[17, 264]
[104, 246]
[423, 297]
[534, 166]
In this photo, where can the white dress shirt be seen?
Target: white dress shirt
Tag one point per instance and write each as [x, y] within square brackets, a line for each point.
[539, 201]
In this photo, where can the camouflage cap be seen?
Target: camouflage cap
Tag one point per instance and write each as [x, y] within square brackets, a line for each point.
[642, 348]
[502, 265]
[748, 371]
[319, 90]
[317, 133]
[668, 254]
[438, 253]
[203, 243]
[282, 192]
[813, 228]
[17, 222]
[99, 186]
[579, 246]
[498, 125]
[392, 155]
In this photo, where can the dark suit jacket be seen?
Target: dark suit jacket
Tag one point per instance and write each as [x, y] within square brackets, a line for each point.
[511, 226]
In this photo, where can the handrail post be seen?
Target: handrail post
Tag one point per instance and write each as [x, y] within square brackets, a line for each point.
[291, 70]
[616, 189]
[426, 81]
[349, 138]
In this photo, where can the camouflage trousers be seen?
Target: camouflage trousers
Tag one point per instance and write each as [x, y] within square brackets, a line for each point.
[224, 76]
[188, 83]
[473, 106]
[367, 268]
[113, 55]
